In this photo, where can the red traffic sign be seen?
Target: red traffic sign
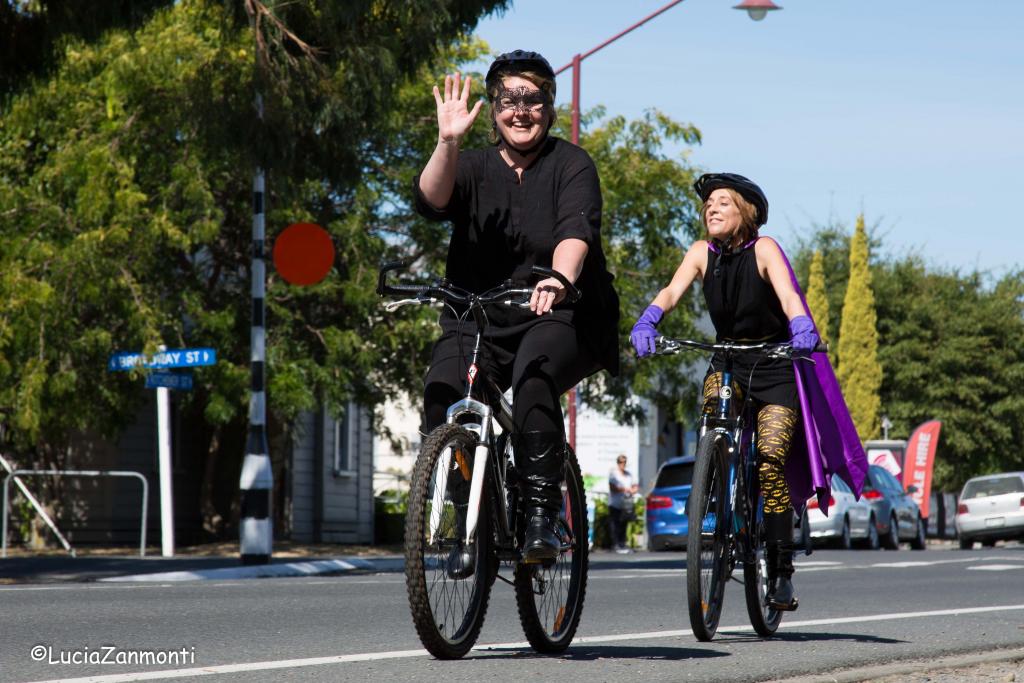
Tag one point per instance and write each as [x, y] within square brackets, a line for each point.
[303, 253]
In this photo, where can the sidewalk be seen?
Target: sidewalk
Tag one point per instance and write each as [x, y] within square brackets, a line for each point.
[215, 561]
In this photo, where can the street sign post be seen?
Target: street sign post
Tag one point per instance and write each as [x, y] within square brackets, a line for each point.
[163, 382]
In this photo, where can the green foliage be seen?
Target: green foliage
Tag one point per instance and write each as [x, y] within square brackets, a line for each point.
[650, 218]
[859, 372]
[125, 205]
[602, 526]
[951, 347]
[817, 298]
[953, 350]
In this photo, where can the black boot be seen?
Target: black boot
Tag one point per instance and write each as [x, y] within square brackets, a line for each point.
[539, 457]
[461, 561]
[778, 529]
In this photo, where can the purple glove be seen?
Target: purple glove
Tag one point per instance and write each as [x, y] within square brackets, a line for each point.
[802, 335]
[645, 330]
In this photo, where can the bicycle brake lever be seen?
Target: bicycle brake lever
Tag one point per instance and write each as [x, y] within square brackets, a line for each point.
[393, 306]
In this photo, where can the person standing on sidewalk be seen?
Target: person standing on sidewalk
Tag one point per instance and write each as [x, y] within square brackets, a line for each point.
[621, 511]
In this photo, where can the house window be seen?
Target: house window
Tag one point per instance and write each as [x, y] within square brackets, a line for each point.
[344, 461]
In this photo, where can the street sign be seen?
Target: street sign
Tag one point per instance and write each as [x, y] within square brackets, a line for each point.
[169, 380]
[172, 358]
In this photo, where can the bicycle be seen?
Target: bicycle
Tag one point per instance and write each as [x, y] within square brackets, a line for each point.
[724, 510]
[465, 515]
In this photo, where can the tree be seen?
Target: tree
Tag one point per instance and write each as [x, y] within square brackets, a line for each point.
[650, 218]
[125, 179]
[952, 346]
[859, 372]
[817, 296]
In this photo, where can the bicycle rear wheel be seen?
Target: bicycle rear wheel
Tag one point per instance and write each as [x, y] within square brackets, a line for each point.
[707, 543]
[763, 618]
[550, 599]
[448, 602]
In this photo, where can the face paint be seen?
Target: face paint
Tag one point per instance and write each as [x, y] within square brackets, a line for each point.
[522, 99]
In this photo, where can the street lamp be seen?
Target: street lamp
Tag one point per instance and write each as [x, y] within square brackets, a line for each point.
[757, 9]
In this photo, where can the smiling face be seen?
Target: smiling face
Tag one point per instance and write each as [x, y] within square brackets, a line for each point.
[520, 113]
[722, 215]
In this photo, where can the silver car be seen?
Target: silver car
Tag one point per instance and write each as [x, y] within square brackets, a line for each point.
[848, 519]
[991, 508]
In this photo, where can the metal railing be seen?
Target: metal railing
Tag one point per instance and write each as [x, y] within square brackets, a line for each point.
[73, 473]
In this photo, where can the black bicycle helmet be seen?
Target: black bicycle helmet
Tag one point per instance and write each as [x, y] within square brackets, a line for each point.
[520, 59]
[709, 182]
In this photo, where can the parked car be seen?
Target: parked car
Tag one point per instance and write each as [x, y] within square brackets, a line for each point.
[895, 514]
[991, 508]
[848, 520]
[666, 505]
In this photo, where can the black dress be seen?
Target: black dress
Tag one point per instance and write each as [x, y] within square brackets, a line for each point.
[502, 226]
[744, 308]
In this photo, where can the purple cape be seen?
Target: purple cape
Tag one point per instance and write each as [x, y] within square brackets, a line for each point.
[831, 444]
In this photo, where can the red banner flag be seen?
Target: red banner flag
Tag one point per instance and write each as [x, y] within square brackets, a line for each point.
[917, 463]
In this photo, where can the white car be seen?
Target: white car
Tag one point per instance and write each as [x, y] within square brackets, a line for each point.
[848, 519]
[991, 508]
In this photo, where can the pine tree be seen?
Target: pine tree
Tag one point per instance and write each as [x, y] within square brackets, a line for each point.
[859, 372]
[817, 298]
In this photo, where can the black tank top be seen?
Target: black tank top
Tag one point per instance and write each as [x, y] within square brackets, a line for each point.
[743, 306]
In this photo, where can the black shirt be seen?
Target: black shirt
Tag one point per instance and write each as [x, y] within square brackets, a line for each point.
[502, 226]
[744, 307]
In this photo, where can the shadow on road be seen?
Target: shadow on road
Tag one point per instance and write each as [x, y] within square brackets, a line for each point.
[807, 637]
[589, 653]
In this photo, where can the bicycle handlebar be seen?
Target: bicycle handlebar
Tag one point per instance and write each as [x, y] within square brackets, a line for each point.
[443, 289]
[669, 346]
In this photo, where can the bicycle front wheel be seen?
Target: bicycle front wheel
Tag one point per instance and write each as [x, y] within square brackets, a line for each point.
[550, 599]
[707, 541]
[448, 581]
[763, 618]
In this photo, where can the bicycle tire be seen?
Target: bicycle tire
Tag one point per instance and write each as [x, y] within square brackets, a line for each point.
[763, 618]
[447, 611]
[550, 617]
[707, 537]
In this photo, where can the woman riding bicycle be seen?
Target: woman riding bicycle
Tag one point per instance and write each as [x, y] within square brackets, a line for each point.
[751, 297]
[531, 199]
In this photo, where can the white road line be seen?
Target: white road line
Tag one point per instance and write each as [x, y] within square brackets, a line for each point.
[997, 567]
[403, 654]
[79, 587]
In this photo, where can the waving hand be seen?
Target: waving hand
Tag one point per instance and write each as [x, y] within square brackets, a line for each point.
[454, 118]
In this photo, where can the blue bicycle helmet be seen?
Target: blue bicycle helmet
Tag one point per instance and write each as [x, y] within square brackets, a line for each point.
[709, 182]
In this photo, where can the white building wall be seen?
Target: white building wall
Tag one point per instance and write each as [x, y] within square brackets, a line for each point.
[599, 441]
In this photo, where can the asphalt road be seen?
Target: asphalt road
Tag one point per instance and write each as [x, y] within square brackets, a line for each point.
[857, 609]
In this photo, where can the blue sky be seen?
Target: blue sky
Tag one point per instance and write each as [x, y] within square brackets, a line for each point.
[912, 110]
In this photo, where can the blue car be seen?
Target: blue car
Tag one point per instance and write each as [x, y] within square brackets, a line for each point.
[666, 505]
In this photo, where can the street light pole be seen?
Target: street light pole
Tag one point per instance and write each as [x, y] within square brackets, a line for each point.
[575, 64]
[755, 8]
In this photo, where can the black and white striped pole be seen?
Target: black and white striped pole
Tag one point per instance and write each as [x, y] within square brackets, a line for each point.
[257, 481]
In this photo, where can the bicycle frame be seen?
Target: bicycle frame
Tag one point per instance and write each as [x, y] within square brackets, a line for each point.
[481, 415]
[742, 464]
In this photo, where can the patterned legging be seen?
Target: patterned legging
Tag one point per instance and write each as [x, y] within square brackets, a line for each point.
[775, 427]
